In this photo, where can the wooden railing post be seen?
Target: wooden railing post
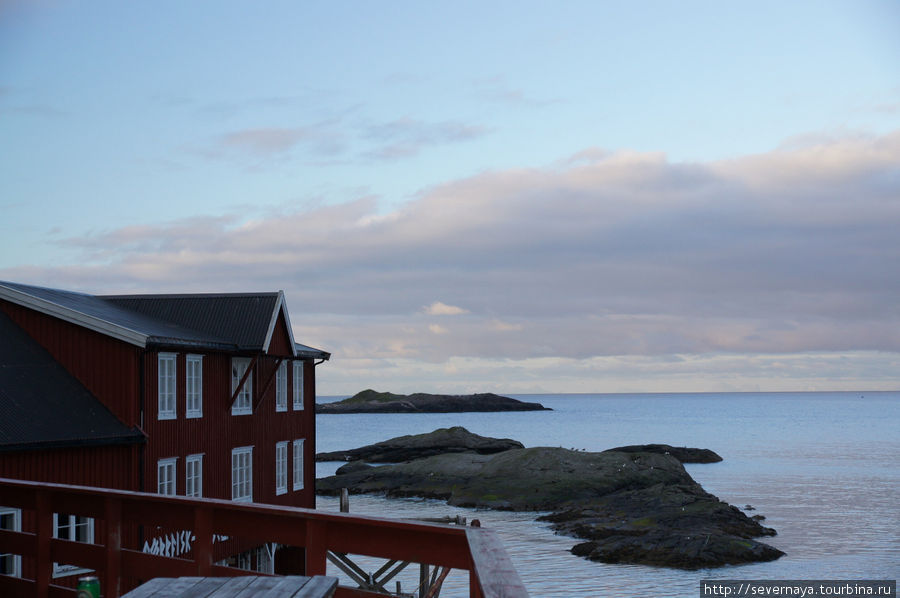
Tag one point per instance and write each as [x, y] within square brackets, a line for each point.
[112, 584]
[315, 547]
[44, 530]
[203, 540]
[474, 585]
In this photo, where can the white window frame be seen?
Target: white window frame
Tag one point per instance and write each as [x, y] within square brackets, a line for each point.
[298, 386]
[244, 561]
[167, 386]
[265, 558]
[14, 525]
[281, 467]
[193, 475]
[166, 476]
[193, 386]
[298, 464]
[243, 403]
[242, 474]
[281, 387]
[72, 524]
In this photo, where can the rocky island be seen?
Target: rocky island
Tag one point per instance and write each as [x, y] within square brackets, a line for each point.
[627, 506]
[371, 401]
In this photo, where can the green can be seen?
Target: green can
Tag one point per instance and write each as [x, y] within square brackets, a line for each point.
[88, 587]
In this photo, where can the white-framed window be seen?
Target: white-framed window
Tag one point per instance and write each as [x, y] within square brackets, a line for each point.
[281, 467]
[166, 387]
[243, 404]
[165, 476]
[242, 474]
[281, 387]
[298, 464]
[193, 475]
[298, 385]
[244, 561]
[265, 558]
[11, 519]
[193, 389]
[77, 529]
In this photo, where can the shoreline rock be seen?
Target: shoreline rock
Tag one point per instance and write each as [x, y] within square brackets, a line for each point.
[682, 453]
[370, 401]
[406, 448]
[625, 507]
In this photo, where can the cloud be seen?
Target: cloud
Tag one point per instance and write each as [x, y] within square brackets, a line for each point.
[406, 137]
[609, 255]
[266, 141]
[442, 309]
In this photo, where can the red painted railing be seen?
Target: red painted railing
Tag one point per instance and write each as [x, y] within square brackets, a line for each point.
[118, 514]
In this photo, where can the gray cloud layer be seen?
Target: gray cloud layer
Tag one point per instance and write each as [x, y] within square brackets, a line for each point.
[606, 254]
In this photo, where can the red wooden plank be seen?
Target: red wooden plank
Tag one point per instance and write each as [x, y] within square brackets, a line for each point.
[496, 574]
[87, 556]
[17, 542]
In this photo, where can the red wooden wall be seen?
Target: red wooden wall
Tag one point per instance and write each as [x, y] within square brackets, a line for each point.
[112, 370]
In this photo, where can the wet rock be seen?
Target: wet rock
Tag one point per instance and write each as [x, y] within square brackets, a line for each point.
[629, 507]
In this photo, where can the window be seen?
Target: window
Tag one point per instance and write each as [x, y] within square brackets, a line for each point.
[242, 474]
[243, 403]
[77, 529]
[264, 559]
[193, 366]
[165, 476]
[281, 387]
[298, 464]
[166, 387]
[298, 385]
[244, 561]
[193, 482]
[281, 468]
[10, 519]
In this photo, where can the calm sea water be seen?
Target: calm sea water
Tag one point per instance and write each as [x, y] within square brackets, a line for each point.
[822, 467]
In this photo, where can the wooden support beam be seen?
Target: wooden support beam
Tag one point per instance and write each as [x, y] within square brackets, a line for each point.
[202, 546]
[112, 584]
[260, 396]
[237, 390]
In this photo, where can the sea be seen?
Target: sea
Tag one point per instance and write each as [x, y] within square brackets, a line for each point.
[823, 468]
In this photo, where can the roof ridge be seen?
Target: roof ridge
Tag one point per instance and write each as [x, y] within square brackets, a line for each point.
[186, 295]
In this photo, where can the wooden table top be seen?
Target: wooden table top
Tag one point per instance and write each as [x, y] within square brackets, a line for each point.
[291, 586]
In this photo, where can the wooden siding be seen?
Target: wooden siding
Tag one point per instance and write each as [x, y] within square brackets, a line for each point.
[112, 371]
[107, 467]
[107, 367]
[281, 340]
[218, 431]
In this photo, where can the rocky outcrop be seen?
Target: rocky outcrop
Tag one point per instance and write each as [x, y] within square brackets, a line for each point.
[407, 448]
[628, 507]
[682, 453]
[370, 401]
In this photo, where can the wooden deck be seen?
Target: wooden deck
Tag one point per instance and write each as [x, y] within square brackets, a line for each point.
[294, 586]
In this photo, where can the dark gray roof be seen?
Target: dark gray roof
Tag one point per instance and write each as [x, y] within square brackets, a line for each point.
[236, 322]
[242, 319]
[43, 406]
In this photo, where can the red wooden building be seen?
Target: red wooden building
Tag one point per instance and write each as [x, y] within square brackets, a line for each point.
[203, 395]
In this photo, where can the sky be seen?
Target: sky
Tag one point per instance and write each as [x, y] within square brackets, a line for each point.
[517, 197]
